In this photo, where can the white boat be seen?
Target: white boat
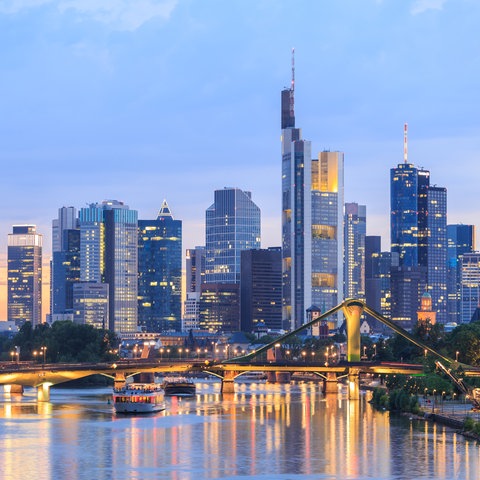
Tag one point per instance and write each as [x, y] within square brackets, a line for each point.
[139, 398]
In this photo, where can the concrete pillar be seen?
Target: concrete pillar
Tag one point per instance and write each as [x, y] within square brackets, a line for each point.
[271, 377]
[353, 310]
[120, 380]
[43, 392]
[282, 377]
[353, 384]
[228, 383]
[331, 385]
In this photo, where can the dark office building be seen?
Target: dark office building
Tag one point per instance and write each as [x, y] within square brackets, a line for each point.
[160, 272]
[460, 240]
[261, 289]
[219, 309]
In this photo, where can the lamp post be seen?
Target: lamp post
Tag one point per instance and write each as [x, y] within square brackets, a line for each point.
[161, 354]
[12, 354]
[304, 354]
[44, 351]
[35, 353]
[456, 355]
[375, 350]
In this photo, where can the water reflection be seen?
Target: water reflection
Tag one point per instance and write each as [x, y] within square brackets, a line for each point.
[261, 430]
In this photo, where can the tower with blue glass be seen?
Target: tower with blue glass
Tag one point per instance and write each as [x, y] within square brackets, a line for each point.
[160, 272]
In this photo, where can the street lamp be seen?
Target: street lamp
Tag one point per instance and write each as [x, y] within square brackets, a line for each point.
[180, 353]
[364, 351]
[456, 355]
[35, 353]
[12, 354]
[304, 356]
[375, 350]
[161, 354]
[44, 350]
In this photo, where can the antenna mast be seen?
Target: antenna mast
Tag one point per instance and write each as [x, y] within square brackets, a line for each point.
[405, 143]
[292, 87]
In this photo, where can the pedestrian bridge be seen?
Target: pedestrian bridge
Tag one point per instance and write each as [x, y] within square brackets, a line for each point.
[44, 376]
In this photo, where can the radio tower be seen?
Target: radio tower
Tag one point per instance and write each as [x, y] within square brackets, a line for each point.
[292, 87]
[405, 143]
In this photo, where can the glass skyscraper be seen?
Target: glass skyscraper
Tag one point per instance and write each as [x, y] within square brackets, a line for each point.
[109, 254]
[232, 225]
[160, 272]
[312, 222]
[24, 272]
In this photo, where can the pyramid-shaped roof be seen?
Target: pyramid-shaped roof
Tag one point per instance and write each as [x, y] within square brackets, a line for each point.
[164, 211]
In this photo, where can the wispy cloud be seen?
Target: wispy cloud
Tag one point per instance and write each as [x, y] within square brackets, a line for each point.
[118, 14]
[421, 6]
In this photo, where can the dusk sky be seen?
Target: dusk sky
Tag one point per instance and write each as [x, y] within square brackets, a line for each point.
[145, 100]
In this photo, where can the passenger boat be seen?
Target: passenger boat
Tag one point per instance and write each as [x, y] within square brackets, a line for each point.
[139, 398]
[179, 386]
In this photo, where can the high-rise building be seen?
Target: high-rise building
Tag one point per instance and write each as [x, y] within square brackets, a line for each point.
[65, 265]
[220, 307]
[24, 272]
[194, 278]
[418, 236]
[109, 254]
[355, 225]
[160, 272]
[460, 240]
[261, 289]
[470, 285]
[312, 222]
[232, 225]
[90, 304]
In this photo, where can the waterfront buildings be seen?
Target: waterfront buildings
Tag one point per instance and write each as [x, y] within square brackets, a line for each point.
[24, 275]
[109, 254]
[261, 289]
[90, 304]
[312, 221]
[160, 272]
[470, 285]
[418, 235]
[460, 240]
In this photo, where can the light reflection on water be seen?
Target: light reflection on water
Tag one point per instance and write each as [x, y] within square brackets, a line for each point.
[261, 431]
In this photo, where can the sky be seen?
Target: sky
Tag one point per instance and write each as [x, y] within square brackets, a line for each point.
[145, 100]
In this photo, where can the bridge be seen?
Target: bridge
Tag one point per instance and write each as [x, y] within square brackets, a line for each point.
[44, 376]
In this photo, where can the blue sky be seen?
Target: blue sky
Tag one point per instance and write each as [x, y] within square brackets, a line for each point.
[141, 100]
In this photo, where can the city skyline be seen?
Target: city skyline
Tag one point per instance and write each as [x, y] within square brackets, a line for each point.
[177, 99]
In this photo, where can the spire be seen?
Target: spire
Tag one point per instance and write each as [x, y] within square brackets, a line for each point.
[292, 87]
[405, 143]
[164, 211]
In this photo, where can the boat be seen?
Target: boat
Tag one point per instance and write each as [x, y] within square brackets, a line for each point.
[179, 386]
[139, 398]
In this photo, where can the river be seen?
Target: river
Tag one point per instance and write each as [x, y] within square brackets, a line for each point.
[263, 431]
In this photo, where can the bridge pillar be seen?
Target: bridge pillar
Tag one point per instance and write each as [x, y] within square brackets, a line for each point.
[271, 377]
[282, 377]
[331, 385]
[353, 310]
[13, 388]
[228, 384]
[353, 384]
[120, 380]
[43, 392]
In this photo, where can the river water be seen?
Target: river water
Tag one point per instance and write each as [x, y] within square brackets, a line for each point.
[263, 431]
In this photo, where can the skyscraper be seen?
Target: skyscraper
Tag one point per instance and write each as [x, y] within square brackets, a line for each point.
[109, 254]
[160, 272]
[232, 225]
[460, 240]
[194, 278]
[418, 236]
[24, 252]
[470, 285]
[312, 219]
[355, 226]
[65, 260]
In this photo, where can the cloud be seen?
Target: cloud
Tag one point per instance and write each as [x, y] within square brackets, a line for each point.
[421, 6]
[125, 15]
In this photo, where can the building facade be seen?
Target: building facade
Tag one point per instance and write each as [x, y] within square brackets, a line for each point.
[24, 275]
[109, 254]
[470, 285]
[160, 272]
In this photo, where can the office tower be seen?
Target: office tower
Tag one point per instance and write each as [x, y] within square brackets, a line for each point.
[418, 236]
[378, 266]
[470, 285]
[108, 254]
[460, 240]
[24, 272]
[312, 219]
[65, 263]
[261, 289]
[220, 307]
[194, 277]
[355, 226]
[160, 272]
[232, 225]
[90, 304]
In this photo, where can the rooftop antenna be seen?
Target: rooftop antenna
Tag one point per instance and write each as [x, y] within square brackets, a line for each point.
[292, 86]
[405, 143]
